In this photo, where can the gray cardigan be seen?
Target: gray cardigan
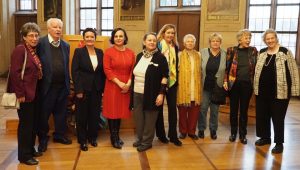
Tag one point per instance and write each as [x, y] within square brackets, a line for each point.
[221, 72]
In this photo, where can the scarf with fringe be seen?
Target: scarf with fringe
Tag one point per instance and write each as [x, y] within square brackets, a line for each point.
[184, 82]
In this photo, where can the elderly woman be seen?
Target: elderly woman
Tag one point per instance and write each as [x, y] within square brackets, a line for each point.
[238, 81]
[213, 70]
[149, 83]
[89, 79]
[24, 84]
[189, 88]
[276, 80]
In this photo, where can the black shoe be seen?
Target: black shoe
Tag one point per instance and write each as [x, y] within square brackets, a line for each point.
[163, 139]
[62, 140]
[94, 143]
[136, 144]
[213, 135]
[43, 144]
[143, 148]
[182, 136]
[278, 148]
[176, 142]
[37, 154]
[232, 138]
[116, 144]
[201, 134]
[83, 147]
[193, 136]
[243, 139]
[30, 161]
[121, 141]
[263, 141]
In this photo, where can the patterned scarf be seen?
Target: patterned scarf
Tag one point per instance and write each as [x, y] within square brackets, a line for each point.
[148, 54]
[169, 52]
[184, 79]
[36, 60]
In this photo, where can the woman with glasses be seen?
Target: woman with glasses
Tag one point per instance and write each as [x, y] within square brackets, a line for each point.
[24, 84]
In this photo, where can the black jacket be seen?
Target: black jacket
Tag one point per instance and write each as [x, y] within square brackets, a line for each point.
[157, 69]
[83, 74]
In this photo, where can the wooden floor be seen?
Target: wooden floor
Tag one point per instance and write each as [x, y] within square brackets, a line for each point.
[199, 154]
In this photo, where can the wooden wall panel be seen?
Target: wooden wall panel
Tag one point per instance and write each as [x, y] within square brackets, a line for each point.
[185, 22]
[188, 24]
[20, 19]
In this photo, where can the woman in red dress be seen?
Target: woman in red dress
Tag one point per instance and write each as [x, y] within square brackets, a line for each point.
[118, 65]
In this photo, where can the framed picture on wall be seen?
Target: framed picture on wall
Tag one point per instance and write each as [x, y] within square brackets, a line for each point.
[52, 9]
[132, 10]
[223, 10]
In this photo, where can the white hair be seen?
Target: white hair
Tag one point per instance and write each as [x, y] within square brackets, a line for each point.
[52, 20]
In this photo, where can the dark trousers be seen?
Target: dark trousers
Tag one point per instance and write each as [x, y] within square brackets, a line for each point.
[171, 96]
[240, 96]
[55, 102]
[269, 108]
[188, 117]
[27, 127]
[87, 115]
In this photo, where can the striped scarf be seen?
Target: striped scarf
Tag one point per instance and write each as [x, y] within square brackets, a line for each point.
[184, 79]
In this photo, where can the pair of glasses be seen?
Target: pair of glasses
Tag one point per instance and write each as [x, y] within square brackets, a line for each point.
[33, 35]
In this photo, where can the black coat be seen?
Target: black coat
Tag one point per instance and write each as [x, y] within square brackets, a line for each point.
[83, 74]
[157, 69]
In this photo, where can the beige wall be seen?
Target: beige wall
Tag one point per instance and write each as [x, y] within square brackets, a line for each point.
[223, 16]
[68, 17]
[212, 20]
[135, 29]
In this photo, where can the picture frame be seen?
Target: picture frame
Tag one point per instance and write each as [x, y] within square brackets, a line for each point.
[132, 10]
[52, 9]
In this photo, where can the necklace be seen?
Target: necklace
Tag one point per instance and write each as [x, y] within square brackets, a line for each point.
[266, 64]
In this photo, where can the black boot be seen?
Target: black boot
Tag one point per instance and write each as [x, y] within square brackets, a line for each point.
[118, 130]
[113, 134]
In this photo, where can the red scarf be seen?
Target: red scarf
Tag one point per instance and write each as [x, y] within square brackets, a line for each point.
[36, 60]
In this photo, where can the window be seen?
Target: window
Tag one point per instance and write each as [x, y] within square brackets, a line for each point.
[27, 5]
[96, 14]
[281, 15]
[179, 3]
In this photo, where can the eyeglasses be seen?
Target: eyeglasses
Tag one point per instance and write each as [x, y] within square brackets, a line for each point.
[33, 35]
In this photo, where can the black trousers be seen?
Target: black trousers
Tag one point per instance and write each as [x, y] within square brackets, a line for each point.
[27, 130]
[269, 108]
[55, 102]
[240, 96]
[171, 97]
[87, 116]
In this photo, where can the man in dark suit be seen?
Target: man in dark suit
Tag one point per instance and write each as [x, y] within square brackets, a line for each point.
[55, 84]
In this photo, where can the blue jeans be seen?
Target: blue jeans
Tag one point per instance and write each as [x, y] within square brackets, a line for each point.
[214, 111]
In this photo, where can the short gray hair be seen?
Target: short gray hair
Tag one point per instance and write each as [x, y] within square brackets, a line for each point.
[215, 35]
[243, 32]
[269, 31]
[189, 36]
[52, 20]
[29, 27]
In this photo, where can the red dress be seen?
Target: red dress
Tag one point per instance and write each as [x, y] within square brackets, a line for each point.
[117, 64]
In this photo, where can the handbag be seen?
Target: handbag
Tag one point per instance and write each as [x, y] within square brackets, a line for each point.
[218, 95]
[9, 100]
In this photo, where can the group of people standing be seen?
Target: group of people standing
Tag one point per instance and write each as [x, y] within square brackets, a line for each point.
[140, 83]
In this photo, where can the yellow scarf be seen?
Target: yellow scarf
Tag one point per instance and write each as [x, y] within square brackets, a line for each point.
[184, 85]
[170, 54]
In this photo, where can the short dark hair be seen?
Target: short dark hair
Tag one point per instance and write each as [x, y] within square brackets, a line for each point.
[146, 36]
[29, 27]
[113, 35]
[93, 30]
